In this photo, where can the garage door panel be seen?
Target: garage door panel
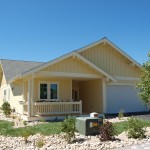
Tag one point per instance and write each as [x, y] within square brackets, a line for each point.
[123, 97]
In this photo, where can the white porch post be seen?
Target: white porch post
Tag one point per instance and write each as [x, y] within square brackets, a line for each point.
[32, 96]
[104, 95]
[23, 93]
[80, 107]
[29, 98]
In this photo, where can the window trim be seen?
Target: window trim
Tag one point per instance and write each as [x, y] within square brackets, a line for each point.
[48, 90]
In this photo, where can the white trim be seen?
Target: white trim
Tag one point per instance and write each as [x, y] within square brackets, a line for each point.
[32, 96]
[127, 78]
[66, 74]
[29, 98]
[114, 46]
[128, 84]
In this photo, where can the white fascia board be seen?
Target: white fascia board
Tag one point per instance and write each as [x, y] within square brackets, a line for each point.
[38, 68]
[94, 66]
[91, 45]
[122, 52]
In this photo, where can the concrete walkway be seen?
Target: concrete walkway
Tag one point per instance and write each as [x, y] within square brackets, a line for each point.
[144, 146]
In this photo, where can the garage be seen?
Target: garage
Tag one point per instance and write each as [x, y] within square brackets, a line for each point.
[123, 98]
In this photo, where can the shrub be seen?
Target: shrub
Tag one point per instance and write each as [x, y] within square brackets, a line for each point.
[40, 143]
[68, 127]
[24, 123]
[6, 109]
[136, 128]
[26, 133]
[107, 131]
[120, 115]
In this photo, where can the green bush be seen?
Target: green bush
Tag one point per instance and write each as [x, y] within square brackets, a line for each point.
[68, 127]
[120, 115]
[40, 143]
[24, 123]
[6, 109]
[26, 133]
[107, 131]
[136, 128]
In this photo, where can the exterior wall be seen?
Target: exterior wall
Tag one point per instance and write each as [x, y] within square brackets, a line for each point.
[111, 61]
[3, 80]
[16, 91]
[65, 87]
[91, 95]
[70, 65]
[14, 95]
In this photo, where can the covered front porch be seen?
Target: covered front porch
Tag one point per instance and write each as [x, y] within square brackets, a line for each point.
[70, 86]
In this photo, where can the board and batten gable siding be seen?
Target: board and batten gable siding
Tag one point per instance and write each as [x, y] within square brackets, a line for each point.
[71, 65]
[64, 85]
[111, 61]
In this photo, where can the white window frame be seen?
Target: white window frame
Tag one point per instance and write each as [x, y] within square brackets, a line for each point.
[48, 90]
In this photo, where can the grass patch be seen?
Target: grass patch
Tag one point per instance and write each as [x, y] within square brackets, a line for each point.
[6, 128]
[122, 126]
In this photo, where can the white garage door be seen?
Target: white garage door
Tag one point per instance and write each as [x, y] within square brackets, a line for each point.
[123, 97]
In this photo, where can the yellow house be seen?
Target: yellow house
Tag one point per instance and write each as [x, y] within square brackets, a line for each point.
[99, 78]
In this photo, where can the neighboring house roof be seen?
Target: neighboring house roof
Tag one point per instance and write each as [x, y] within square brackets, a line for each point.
[12, 68]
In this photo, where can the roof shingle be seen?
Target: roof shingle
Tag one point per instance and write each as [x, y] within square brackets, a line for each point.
[12, 68]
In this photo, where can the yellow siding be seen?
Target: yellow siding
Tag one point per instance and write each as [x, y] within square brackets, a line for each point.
[70, 65]
[91, 95]
[15, 95]
[108, 59]
[65, 87]
[3, 82]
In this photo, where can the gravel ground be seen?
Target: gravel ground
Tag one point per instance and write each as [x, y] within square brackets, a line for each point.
[57, 142]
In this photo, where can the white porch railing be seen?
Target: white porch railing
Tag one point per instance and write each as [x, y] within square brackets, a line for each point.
[48, 108]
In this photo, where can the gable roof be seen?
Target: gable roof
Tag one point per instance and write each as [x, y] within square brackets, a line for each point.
[105, 40]
[74, 53]
[12, 68]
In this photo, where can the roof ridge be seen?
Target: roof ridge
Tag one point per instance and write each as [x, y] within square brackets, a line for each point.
[21, 60]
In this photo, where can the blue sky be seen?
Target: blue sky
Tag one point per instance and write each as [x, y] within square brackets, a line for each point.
[41, 30]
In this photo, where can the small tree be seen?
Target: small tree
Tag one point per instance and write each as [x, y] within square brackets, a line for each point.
[144, 83]
[6, 109]
[68, 127]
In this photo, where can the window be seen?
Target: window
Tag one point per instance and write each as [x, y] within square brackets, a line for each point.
[5, 93]
[53, 91]
[43, 91]
[48, 91]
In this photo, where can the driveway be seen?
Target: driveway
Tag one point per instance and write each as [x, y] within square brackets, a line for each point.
[144, 117]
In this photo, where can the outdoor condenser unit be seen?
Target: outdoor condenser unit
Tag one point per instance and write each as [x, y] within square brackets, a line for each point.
[88, 125]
